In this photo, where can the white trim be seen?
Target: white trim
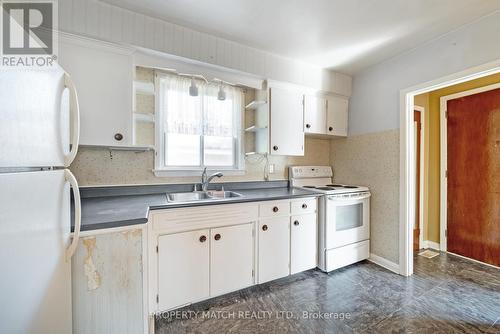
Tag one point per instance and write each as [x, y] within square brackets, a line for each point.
[383, 262]
[444, 157]
[430, 244]
[88, 233]
[196, 172]
[407, 171]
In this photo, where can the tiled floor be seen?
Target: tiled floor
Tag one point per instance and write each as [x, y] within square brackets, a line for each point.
[447, 294]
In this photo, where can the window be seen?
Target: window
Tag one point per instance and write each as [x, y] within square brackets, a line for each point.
[194, 132]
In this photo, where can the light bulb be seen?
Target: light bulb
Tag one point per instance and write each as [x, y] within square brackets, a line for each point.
[193, 89]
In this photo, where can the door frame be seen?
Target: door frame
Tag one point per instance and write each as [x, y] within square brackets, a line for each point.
[422, 174]
[443, 143]
[406, 163]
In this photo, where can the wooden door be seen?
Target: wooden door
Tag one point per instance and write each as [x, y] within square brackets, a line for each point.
[287, 122]
[274, 248]
[337, 116]
[183, 273]
[315, 114]
[417, 117]
[231, 259]
[303, 250]
[473, 191]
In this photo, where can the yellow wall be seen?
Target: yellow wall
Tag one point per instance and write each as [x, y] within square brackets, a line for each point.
[432, 150]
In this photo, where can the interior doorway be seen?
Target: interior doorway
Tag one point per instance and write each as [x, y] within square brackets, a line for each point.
[407, 154]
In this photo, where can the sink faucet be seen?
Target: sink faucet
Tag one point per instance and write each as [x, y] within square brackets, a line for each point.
[206, 180]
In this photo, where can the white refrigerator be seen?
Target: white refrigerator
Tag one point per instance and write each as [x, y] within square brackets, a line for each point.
[39, 131]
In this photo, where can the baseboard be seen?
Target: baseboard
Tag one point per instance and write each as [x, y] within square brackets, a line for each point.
[430, 244]
[383, 262]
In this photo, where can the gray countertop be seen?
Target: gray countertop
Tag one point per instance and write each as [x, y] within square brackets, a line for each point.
[100, 212]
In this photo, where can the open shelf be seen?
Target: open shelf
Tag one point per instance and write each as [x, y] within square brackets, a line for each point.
[254, 128]
[254, 153]
[144, 87]
[144, 118]
[255, 104]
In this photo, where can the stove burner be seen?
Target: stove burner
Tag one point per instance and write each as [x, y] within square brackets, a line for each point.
[350, 187]
[309, 186]
[324, 188]
[335, 185]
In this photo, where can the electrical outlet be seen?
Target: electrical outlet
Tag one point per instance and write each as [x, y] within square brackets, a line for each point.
[271, 168]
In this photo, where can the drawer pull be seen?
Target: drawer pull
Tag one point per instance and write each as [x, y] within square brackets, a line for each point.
[304, 206]
[296, 223]
[275, 147]
[308, 126]
[330, 128]
[264, 227]
[203, 238]
[118, 136]
[275, 209]
[217, 236]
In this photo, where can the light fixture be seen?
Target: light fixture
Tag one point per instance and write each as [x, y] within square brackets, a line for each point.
[221, 95]
[193, 89]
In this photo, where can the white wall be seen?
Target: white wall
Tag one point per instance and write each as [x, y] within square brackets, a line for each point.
[110, 23]
[374, 105]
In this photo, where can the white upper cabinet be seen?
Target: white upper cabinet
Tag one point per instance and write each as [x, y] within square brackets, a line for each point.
[286, 110]
[315, 114]
[337, 116]
[103, 76]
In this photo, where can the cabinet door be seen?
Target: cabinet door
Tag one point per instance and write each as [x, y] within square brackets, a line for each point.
[103, 78]
[287, 122]
[303, 243]
[337, 116]
[315, 114]
[231, 261]
[183, 273]
[274, 248]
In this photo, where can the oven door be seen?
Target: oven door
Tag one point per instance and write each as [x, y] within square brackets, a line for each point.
[347, 219]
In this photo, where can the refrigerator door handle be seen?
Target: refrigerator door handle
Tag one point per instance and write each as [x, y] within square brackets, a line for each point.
[78, 214]
[74, 109]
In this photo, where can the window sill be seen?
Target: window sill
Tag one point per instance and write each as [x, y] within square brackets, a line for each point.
[195, 172]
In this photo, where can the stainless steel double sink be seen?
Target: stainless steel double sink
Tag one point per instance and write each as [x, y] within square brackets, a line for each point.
[196, 196]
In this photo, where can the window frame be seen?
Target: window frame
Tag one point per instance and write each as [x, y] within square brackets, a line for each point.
[161, 170]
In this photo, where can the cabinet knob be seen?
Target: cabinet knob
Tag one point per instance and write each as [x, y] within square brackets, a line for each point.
[330, 128]
[304, 206]
[203, 238]
[275, 147]
[308, 126]
[296, 223]
[275, 209]
[264, 227]
[217, 236]
[118, 136]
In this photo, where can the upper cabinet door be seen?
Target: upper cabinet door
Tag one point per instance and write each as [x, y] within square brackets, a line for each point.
[287, 122]
[315, 114]
[231, 260]
[337, 116]
[103, 77]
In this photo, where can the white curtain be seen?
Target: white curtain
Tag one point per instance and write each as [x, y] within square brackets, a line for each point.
[204, 115]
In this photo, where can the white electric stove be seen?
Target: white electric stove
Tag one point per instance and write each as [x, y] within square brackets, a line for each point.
[344, 216]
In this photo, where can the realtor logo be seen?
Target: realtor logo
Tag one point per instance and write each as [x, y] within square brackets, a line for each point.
[28, 28]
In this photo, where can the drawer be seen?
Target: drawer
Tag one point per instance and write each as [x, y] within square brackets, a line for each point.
[275, 208]
[306, 205]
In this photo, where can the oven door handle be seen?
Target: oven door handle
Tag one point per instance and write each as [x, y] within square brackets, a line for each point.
[348, 199]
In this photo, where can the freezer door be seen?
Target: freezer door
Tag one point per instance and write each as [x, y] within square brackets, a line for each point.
[37, 107]
[35, 283]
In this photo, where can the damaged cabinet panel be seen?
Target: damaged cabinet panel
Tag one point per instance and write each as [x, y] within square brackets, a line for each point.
[107, 283]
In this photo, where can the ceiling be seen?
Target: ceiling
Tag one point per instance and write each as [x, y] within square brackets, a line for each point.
[343, 35]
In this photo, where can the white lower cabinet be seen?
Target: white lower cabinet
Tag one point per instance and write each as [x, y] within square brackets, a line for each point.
[274, 248]
[205, 252]
[303, 248]
[231, 260]
[183, 268]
